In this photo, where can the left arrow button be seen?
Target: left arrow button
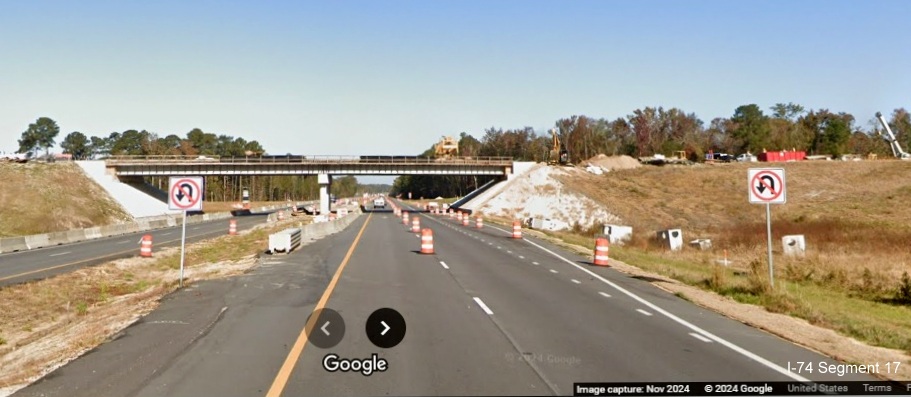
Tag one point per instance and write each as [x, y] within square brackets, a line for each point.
[330, 326]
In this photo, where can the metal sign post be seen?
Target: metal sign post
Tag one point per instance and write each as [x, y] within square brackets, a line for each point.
[767, 186]
[185, 194]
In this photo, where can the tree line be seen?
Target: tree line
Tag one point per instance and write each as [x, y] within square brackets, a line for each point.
[42, 135]
[656, 130]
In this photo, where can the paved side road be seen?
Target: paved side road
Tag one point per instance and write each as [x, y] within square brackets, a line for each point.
[18, 267]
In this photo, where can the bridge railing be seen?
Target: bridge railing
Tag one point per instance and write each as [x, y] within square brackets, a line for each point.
[297, 159]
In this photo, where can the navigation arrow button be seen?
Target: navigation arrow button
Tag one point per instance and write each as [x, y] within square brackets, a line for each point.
[386, 328]
[323, 328]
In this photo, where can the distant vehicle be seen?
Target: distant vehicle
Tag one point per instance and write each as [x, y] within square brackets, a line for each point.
[723, 157]
[205, 158]
[746, 158]
[379, 202]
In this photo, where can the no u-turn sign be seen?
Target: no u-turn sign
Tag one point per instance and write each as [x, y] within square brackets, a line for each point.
[766, 185]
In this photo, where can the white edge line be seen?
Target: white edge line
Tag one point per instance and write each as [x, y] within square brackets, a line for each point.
[643, 312]
[483, 306]
[679, 320]
[700, 337]
[444, 265]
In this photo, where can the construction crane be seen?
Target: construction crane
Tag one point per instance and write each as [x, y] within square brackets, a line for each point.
[558, 154]
[896, 147]
[448, 147]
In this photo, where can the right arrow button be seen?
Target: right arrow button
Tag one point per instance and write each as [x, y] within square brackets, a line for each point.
[385, 328]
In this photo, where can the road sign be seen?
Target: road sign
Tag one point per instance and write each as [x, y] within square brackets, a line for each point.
[185, 193]
[766, 185]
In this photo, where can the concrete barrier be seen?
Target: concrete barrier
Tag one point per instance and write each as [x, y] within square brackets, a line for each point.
[131, 227]
[158, 224]
[172, 222]
[58, 238]
[74, 236]
[93, 233]
[13, 244]
[144, 224]
[111, 230]
[37, 241]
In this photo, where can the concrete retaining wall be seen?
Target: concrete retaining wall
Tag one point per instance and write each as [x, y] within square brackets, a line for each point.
[36, 241]
[13, 244]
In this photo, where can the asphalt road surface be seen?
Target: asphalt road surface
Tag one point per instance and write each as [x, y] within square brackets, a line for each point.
[22, 266]
[485, 315]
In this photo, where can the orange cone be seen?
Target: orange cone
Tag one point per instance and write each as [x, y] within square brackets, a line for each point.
[479, 222]
[516, 229]
[232, 227]
[416, 225]
[601, 251]
[145, 249]
[426, 241]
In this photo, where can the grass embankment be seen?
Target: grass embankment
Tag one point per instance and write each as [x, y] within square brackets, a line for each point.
[54, 320]
[51, 197]
[853, 214]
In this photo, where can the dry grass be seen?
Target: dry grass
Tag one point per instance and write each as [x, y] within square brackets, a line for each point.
[853, 215]
[49, 322]
[51, 197]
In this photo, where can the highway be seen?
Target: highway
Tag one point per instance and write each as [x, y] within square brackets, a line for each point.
[485, 315]
[22, 266]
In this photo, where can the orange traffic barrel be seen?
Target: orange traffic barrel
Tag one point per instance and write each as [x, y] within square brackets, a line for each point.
[331, 216]
[459, 216]
[465, 220]
[281, 215]
[516, 229]
[145, 248]
[405, 218]
[601, 251]
[479, 222]
[416, 225]
[451, 213]
[426, 241]
[232, 227]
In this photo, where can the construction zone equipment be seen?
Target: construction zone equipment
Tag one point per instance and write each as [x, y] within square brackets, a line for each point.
[516, 229]
[558, 154]
[416, 225]
[601, 251]
[281, 215]
[332, 216]
[426, 241]
[451, 213]
[458, 216]
[232, 227]
[465, 220]
[447, 147]
[405, 218]
[896, 147]
[479, 222]
[145, 247]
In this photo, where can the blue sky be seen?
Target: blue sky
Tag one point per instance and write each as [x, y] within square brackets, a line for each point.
[370, 77]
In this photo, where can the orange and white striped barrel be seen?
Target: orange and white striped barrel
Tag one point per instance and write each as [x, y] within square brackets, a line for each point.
[332, 216]
[459, 216]
[145, 247]
[416, 225]
[466, 220]
[281, 215]
[451, 213]
[479, 222]
[232, 227]
[516, 229]
[601, 251]
[405, 218]
[426, 241]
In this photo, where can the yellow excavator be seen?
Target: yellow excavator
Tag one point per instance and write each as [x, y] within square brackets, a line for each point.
[558, 155]
[448, 147]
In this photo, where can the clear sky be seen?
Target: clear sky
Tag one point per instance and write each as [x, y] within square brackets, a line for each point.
[391, 77]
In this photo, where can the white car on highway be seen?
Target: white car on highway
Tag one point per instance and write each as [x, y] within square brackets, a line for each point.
[379, 202]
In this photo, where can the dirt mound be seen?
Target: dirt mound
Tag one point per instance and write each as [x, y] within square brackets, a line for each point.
[614, 162]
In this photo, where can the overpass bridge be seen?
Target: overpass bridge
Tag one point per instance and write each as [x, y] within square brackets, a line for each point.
[324, 167]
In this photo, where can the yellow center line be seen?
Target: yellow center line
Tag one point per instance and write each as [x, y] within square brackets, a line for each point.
[278, 385]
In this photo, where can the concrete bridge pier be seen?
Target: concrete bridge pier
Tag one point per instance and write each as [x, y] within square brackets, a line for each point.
[325, 182]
